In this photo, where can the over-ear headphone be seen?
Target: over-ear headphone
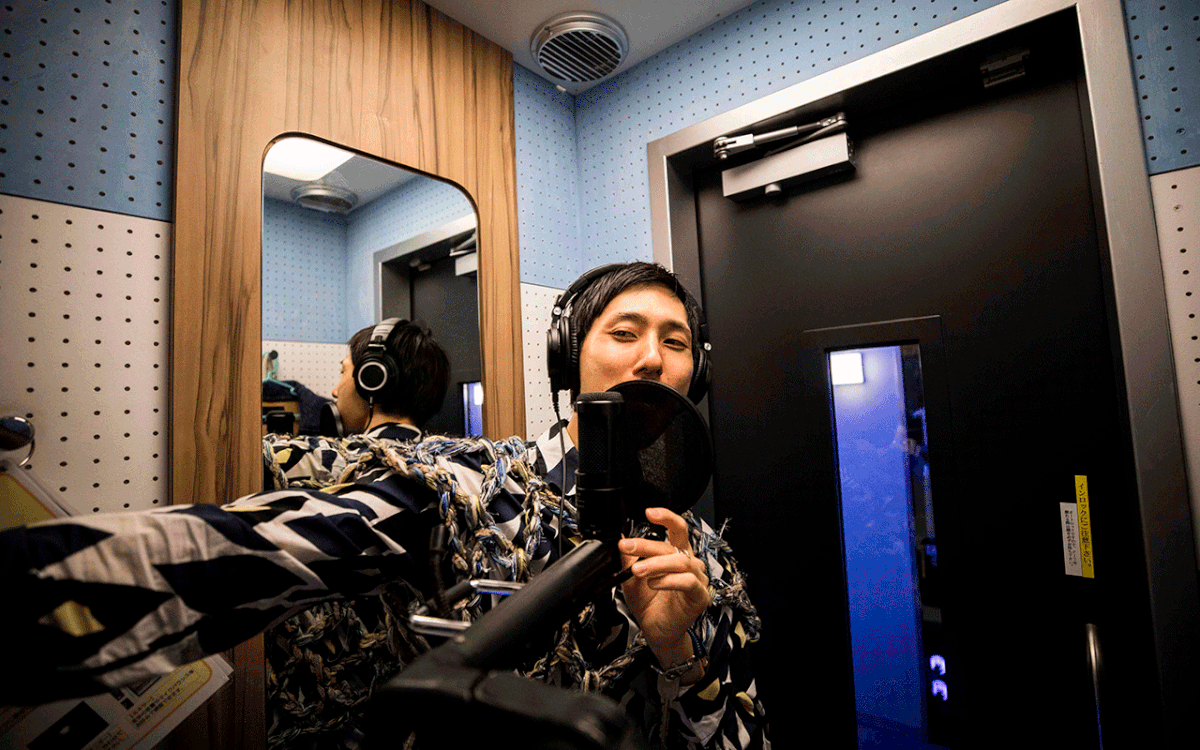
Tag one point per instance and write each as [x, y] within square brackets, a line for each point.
[563, 344]
[376, 371]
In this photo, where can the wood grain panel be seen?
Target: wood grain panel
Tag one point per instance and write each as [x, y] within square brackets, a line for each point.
[394, 79]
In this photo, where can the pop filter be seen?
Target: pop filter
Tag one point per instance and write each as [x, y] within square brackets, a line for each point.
[666, 447]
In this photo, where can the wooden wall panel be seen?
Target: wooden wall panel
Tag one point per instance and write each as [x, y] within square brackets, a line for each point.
[391, 78]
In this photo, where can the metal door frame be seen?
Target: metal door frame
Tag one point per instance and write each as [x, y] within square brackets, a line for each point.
[1126, 228]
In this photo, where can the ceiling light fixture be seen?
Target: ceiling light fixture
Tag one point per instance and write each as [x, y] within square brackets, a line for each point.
[303, 159]
[328, 198]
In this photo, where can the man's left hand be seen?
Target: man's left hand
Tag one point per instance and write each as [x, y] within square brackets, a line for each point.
[669, 587]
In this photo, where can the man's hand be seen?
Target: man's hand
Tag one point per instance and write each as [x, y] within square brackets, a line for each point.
[669, 588]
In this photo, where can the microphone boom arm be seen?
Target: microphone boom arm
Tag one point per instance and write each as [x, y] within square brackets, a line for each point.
[455, 682]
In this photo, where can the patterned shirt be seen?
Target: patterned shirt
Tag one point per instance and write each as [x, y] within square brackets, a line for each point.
[109, 599]
[722, 708]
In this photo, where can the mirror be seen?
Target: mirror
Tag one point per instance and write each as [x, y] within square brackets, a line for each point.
[349, 240]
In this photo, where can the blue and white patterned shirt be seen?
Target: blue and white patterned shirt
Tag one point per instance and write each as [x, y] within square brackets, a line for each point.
[110, 599]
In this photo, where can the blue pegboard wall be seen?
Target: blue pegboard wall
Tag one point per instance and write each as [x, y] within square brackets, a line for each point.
[763, 48]
[774, 44]
[547, 181]
[87, 103]
[413, 208]
[1164, 39]
[303, 274]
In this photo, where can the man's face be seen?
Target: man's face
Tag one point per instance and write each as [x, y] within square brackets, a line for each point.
[643, 334]
[350, 405]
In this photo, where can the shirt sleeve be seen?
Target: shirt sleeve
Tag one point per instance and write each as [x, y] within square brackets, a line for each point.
[722, 709]
[99, 601]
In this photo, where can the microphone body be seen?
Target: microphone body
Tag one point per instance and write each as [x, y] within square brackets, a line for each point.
[599, 484]
[331, 421]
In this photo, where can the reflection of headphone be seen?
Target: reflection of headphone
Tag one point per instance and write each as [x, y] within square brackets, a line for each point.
[376, 371]
[563, 345]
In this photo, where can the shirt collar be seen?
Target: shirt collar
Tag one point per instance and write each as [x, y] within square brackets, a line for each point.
[394, 431]
[551, 452]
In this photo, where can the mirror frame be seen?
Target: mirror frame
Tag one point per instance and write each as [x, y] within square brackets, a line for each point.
[388, 252]
[391, 78]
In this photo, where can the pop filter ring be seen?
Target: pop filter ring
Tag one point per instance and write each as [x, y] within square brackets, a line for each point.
[651, 409]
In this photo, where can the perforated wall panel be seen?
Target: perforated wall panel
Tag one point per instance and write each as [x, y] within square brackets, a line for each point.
[316, 366]
[303, 274]
[1177, 213]
[1164, 38]
[547, 181]
[763, 48]
[411, 209]
[87, 103]
[536, 303]
[84, 333]
[776, 43]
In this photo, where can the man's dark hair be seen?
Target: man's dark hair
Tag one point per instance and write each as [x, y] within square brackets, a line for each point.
[588, 305]
[422, 365]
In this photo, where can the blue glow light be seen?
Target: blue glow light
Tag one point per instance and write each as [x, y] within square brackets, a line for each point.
[940, 689]
[938, 664]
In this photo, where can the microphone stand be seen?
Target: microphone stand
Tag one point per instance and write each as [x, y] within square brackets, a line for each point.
[457, 693]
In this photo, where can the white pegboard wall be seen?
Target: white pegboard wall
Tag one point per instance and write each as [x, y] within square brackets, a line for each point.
[317, 366]
[536, 304]
[1177, 214]
[84, 331]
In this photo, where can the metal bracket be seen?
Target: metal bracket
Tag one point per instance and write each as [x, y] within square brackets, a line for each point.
[421, 622]
[1004, 67]
[727, 146]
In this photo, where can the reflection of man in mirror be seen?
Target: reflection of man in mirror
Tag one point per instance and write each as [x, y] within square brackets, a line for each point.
[104, 600]
[393, 380]
[395, 373]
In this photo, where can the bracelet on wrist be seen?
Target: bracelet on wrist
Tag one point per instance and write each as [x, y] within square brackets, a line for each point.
[679, 670]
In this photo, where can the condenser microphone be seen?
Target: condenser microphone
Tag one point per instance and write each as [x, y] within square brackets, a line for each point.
[331, 421]
[599, 485]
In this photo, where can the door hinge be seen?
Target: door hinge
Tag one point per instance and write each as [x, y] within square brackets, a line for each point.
[1003, 67]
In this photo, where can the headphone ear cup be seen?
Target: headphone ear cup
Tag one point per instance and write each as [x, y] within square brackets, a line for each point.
[554, 358]
[375, 375]
[701, 378]
[572, 358]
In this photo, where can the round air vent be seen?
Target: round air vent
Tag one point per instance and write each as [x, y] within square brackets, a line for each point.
[328, 198]
[579, 47]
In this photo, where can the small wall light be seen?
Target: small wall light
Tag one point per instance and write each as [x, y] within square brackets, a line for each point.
[846, 368]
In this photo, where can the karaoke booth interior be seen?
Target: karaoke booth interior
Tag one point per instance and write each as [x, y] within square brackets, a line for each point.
[945, 255]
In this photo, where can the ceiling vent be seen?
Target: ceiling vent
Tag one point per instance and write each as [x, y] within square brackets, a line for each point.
[328, 198]
[580, 47]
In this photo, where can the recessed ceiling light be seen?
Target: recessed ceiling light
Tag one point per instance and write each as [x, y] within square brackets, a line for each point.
[303, 159]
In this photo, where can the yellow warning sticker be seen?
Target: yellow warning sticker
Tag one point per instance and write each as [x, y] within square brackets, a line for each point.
[1085, 526]
[19, 504]
[1076, 519]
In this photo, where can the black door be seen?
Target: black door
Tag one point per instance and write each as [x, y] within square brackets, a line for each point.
[967, 237]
